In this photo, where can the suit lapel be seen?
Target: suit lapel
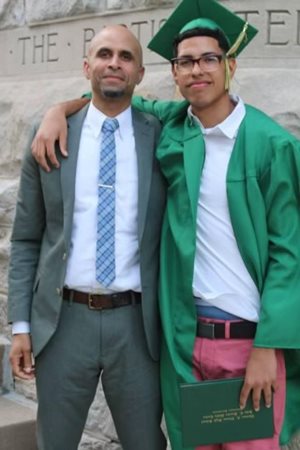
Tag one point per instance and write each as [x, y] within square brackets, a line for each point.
[144, 144]
[194, 154]
[68, 169]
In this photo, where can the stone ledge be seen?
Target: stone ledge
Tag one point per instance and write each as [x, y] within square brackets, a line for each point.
[6, 381]
[94, 441]
[17, 423]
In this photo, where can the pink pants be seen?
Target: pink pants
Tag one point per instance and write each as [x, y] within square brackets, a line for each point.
[227, 358]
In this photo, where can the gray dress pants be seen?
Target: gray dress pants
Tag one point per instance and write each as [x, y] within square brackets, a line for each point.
[88, 346]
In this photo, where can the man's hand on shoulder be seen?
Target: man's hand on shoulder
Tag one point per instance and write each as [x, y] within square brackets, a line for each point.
[53, 128]
[21, 357]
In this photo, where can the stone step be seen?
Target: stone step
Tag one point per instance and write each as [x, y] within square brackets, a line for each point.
[17, 423]
[6, 381]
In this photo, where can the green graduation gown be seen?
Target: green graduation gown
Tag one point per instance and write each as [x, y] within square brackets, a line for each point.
[263, 197]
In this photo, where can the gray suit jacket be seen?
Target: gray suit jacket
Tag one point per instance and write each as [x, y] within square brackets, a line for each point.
[42, 233]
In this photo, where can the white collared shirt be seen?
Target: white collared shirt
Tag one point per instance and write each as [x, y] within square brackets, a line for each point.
[81, 266]
[220, 275]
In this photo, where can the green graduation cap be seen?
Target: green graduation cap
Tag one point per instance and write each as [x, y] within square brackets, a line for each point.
[211, 14]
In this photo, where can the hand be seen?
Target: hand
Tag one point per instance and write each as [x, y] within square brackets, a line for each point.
[21, 357]
[52, 128]
[260, 377]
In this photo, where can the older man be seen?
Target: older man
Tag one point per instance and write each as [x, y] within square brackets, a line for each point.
[84, 262]
[230, 254]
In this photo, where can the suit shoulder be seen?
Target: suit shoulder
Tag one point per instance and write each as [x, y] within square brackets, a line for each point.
[146, 117]
[78, 117]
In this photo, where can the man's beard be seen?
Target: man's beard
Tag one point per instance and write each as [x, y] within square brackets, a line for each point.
[107, 91]
[111, 93]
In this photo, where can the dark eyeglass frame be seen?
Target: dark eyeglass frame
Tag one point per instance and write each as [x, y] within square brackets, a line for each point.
[213, 57]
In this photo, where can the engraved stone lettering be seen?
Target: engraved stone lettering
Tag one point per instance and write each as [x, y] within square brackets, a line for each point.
[139, 26]
[247, 15]
[23, 42]
[51, 42]
[276, 19]
[38, 49]
[88, 34]
[36, 46]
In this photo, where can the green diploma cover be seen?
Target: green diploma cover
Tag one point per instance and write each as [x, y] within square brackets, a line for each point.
[210, 414]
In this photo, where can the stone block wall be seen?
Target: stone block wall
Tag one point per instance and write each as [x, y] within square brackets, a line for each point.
[42, 45]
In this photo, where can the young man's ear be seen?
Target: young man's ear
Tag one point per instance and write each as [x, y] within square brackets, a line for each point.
[232, 66]
[174, 73]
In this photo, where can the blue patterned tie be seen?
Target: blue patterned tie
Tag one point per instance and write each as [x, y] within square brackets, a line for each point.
[105, 248]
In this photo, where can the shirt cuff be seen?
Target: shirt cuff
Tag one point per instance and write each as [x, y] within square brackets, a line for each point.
[21, 327]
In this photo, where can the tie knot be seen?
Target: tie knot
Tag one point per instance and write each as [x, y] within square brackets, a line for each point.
[110, 125]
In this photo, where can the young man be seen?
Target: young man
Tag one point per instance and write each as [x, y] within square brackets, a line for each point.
[84, 263]
[231, 229]
[230, 254]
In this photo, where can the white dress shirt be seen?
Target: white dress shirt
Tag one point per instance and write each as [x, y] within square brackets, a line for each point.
[81, 267]
[220, 275]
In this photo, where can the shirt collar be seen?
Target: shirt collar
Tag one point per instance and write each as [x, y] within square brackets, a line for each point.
[230, 126]
[95, 118]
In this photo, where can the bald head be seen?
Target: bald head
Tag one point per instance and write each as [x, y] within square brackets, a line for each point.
[120, 34]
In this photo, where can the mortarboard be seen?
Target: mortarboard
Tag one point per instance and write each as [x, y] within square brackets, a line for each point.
[211, 14]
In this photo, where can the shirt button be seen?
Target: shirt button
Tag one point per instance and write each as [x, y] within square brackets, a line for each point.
[64, 257]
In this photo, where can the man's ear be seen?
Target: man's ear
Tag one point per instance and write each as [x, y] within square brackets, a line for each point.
[232, 66]
[140, 74]
[174, 73]
[86, 69]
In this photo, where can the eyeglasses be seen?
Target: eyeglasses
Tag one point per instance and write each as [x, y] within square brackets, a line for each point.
[208, 63]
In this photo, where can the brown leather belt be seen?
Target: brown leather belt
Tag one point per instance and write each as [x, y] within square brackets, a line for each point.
[102, 301]
[237, 330]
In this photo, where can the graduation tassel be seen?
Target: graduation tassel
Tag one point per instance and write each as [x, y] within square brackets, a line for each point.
[227, 75]
[234, 48]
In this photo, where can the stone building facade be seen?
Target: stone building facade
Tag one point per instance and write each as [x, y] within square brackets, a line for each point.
[42, 45]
